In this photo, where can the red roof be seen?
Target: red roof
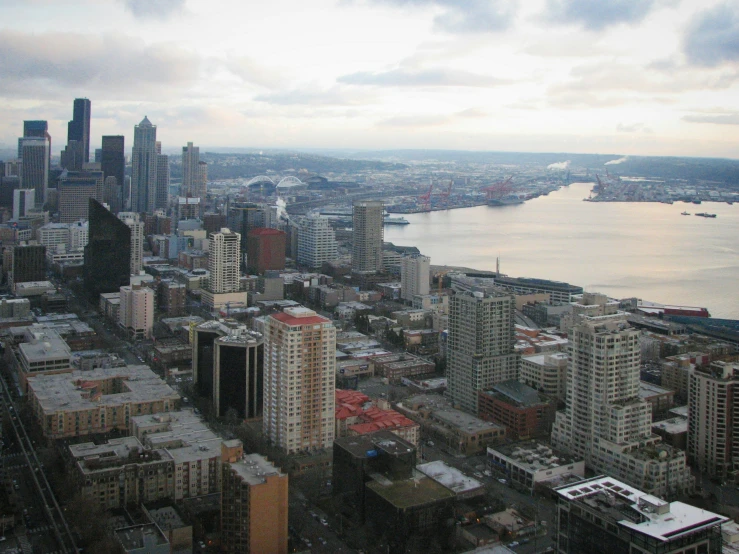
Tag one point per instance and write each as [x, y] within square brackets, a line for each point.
[296, 321]
[262, 231]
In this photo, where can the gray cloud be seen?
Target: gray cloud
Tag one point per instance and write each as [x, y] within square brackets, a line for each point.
[431, 120]
[713, 37]
[721, 119]
[52, 62]
[467, 16]
[422, 78]
[154, 9]
[334, 96]
[597, 15]
[251, 71]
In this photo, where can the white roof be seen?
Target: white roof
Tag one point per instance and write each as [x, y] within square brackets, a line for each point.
[449, 477]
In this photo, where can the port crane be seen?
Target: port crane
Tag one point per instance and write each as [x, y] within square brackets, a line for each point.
[426, 198]
[499, 189]
[445, 194]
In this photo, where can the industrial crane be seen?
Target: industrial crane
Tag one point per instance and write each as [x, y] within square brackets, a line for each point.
[499, 189]
[426, 198]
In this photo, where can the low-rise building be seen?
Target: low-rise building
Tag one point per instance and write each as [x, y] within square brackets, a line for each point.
[660, 399]
[421, 341]
[608, 516]
[396, 366]
[674, 431]
[147, 538]
[531, 463]
[522, 410]
[82, 403]
[37, 350]
[460, 484]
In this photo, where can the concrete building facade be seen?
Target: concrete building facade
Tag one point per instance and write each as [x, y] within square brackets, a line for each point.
[316, 242]
[367, 237]
[415, 273]
[136, 312]
[300, 376]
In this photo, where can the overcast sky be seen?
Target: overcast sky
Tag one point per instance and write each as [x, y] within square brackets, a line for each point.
[634, 77]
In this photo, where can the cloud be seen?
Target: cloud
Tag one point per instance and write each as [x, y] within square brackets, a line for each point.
[720, 119]
[48, 63]
[713, 37]
[596, 15]
[432, 120]
[466, 16]
[616, 162]
[633, 128]
[154, 9]
[251, 71]
[335, 96]
[559, 165]
[422, 78]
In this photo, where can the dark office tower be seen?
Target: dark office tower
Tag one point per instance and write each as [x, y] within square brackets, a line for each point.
[35, 167]
[74, 192]
[162, 188]
[28, 263]
[73, 156]
[190, 173]
[108, 252]
[35, 128]
[113, 164]
[79, 128]
[98, 155]
[144, 167]
[238, 374]
[212, 223]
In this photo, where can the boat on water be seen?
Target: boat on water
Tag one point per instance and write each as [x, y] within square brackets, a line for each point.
[704, 214]
[685, 213]
[389, 220]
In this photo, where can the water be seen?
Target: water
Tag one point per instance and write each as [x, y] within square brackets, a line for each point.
[647, 250]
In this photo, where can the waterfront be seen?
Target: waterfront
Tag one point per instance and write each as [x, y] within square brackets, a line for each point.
[644, 249]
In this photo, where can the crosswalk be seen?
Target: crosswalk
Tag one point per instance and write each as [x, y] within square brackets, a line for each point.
[40, 529]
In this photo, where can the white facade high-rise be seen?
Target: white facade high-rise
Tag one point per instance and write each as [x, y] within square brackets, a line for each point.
[316, 241]
[415, 273]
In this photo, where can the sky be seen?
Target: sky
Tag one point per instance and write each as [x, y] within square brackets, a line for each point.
[632, 77]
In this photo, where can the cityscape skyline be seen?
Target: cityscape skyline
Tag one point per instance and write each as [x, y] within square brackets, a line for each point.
[653, 78]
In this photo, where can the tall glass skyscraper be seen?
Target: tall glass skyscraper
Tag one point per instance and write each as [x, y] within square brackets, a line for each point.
[79, 128]
[144, 167]
[108, 252]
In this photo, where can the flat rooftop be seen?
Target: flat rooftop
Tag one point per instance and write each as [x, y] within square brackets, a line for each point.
[450, 477]
[533, 455]
[639, 511]
[673, 426]
[47, 345]
[71, 391]
[416, 491]
[255, 468]
[362, 446]
[464, 422]
[647, 390]
[139, 536]
[518, 393]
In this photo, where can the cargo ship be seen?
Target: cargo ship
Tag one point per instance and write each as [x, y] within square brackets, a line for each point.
[505, 201]
[703, 214]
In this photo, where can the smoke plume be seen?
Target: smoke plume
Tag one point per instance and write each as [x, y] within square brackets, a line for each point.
[616, 162]
[559, 165]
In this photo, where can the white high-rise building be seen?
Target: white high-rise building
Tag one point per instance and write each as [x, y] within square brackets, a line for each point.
[136, 313]
[605, 421]
[224, 262]
[480, 348]
[367, 236]
[415, 271]
[79, 233]
[137, 240]
[316, 241]
[144, 167]
[53, 234]
[299, 380]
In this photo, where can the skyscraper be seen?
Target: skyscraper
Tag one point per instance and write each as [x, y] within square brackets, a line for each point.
[265, 250]
[134, 223]
[190, 172]
[606, 422]
[480, 348]
[299, 380]
[144, 167]
[75, 189]
[108, 252]
[316, 241]
[224, 258]
[162, 186]
[367, 237]
[238, 374]
[27, 263]
[79, 128]
[414, 276]
[35, 128]
[35, 167]
[113, 164]
[202, 180]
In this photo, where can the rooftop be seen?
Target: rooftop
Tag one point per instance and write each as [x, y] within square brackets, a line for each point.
[518, 393]
[647, 390]
[675, 425]
[255, 468]
[641, 512]
[416, 491]
[533, 455]
[450, 477]
[139, 536]
[46, 344]
[79, 390]
[365, 446]
[464, 422]
[299, 316]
